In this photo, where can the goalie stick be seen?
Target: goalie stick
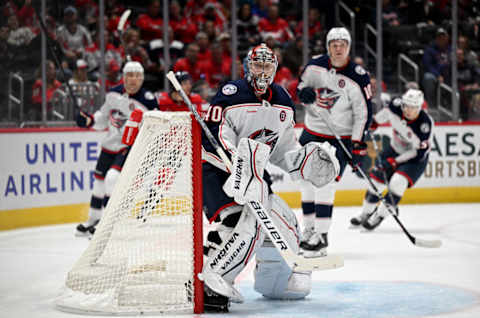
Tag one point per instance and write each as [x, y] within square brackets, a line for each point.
[416, 241]
[293, 260]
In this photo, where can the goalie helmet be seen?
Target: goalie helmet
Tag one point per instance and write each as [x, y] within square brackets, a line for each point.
[338, 34]
[261, 68]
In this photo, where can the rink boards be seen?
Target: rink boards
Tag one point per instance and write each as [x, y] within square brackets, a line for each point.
[47, 174]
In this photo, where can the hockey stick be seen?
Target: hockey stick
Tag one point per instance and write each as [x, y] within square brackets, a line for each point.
[293, 260]
[413, 239]
[377, 152]
[120, 28]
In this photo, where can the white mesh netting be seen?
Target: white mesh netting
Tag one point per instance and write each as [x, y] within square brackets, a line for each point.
[140, 259]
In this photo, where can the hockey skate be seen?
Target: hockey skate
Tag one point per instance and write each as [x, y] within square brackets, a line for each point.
[316, 246]
[377, 218]
[85, 229]
[306, 235]
[358, 220]
[214, 302]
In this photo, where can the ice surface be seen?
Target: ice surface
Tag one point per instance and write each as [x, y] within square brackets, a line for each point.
[384, 274]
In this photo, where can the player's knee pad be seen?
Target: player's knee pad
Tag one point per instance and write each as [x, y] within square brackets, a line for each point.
[233, 253]
[308, 191]
[110, 180]
[326, 194]
[275, 279]
[98, 188]
[398, 184]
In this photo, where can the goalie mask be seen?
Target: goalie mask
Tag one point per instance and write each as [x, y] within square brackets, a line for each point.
[412, 102]
[261, 68]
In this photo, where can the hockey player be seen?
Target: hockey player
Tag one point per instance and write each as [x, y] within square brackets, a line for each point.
[120, 101]
[403, 162]
[332, 88]
[253, 120]
[173, 101]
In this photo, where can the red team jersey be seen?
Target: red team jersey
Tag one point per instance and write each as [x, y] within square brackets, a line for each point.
[166, 103]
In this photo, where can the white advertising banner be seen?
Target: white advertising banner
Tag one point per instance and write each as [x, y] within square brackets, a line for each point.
[47, 168]
[42, 168]
[454, 161]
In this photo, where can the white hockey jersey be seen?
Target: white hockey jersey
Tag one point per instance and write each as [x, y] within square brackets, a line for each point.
[411, 139]
[344, 95]
[115, 112]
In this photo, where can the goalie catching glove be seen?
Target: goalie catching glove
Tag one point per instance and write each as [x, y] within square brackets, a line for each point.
[246, 181]
[314, 162]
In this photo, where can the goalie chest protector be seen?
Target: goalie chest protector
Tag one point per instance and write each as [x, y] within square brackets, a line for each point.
[236, 112]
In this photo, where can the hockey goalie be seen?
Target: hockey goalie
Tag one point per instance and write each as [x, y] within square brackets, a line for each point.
[253, 120]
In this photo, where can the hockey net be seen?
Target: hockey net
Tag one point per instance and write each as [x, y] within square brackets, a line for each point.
[147, 249]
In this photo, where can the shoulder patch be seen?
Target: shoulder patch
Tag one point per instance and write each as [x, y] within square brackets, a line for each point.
[397, 102]
[360, 70]
[424, 128]
[229, 89]
[149, 96]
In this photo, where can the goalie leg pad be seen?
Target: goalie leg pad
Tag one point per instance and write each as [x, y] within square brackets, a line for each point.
[246, 181]
[275, 279]
[315, 162]
[232, 256]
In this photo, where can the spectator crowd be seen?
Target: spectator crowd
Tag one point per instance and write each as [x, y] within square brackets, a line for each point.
[199, 36]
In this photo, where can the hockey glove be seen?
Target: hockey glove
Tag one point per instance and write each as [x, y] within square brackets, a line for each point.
[84, 119]
[307, 95]
[131, 127]
[391, 163]
[315, 162]
[359, 151]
